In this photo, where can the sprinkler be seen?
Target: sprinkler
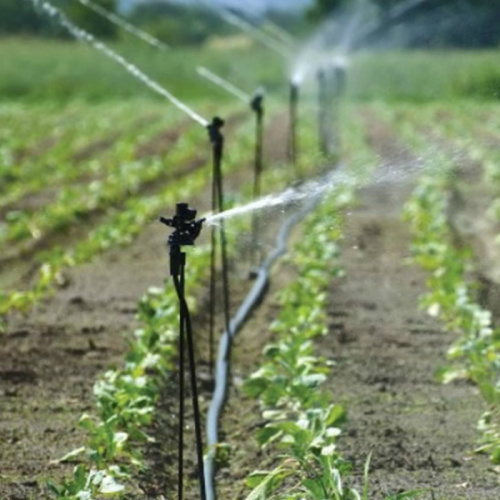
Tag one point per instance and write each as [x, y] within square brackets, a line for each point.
[323, 112]
[336, 89]
[217, 140]
[257, 105]
[292, 137]
[186, 230]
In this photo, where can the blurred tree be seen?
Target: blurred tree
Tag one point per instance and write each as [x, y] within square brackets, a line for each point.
[21, 17]
[89, 20]
[460, 23]
[178, 24]
[322, 8]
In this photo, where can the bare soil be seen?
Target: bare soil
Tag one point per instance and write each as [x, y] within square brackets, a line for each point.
[52, 356]
[420, 434]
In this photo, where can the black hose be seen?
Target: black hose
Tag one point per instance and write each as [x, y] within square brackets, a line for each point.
[222, 367]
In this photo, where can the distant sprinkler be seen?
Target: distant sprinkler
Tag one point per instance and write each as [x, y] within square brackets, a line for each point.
[323, 115]
[337, 76]
[257, 105]
[293, 148]
[217, 140]
[224, 84]
[186, 231]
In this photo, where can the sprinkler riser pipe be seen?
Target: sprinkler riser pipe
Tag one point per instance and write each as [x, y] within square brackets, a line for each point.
[337, 85]
[257, 106]
[292, 138]
[323, 113]
[186, 231]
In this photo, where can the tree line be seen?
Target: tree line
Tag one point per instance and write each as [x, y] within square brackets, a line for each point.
[410, 23]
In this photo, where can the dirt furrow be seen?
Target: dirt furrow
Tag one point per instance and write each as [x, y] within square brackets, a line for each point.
[421, 434]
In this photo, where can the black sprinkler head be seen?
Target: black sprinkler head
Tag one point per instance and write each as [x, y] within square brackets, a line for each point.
[186, 227]
[257, 101]
[214, 129]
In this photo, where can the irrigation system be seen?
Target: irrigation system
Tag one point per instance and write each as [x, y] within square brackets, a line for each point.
[256, 103]
[293, 147]
[132, 69]
[186, 227]
[217, 140]
[186, 231]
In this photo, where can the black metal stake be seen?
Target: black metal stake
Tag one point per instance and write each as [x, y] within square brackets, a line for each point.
[180, 455]
[293, 146]
[257, 105]
[186, 230]
[323, 113]
[217, 140]
[336, 90]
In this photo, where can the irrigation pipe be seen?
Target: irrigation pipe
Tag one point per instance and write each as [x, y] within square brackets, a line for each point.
[223, 360]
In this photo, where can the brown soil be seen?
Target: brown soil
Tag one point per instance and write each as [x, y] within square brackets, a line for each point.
[421, 433]
[52, 356]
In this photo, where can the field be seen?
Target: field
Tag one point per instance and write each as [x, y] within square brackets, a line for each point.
[369, 368]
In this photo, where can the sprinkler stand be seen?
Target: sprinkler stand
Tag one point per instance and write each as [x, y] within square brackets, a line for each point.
[337, 77]
[323, 113]
[292, 137]
[217, 140]
[186, 230]
[257, 105]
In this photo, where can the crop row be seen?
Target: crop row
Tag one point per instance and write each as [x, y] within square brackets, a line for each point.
[34, 155]
[74, 203]
[126, 397]
[302, 421]
[119, 227]
[452, 294]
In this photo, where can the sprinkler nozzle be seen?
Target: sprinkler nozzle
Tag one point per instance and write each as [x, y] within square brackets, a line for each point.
[214, 130]
[257, 101]
[186, 228]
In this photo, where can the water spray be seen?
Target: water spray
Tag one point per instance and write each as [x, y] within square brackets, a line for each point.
[186, 231]
[224, 84]
[256, 103]
[257, 34]
[83, 35]
[217, 140]
[280, 34]
[399, 13]
[122, 23]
